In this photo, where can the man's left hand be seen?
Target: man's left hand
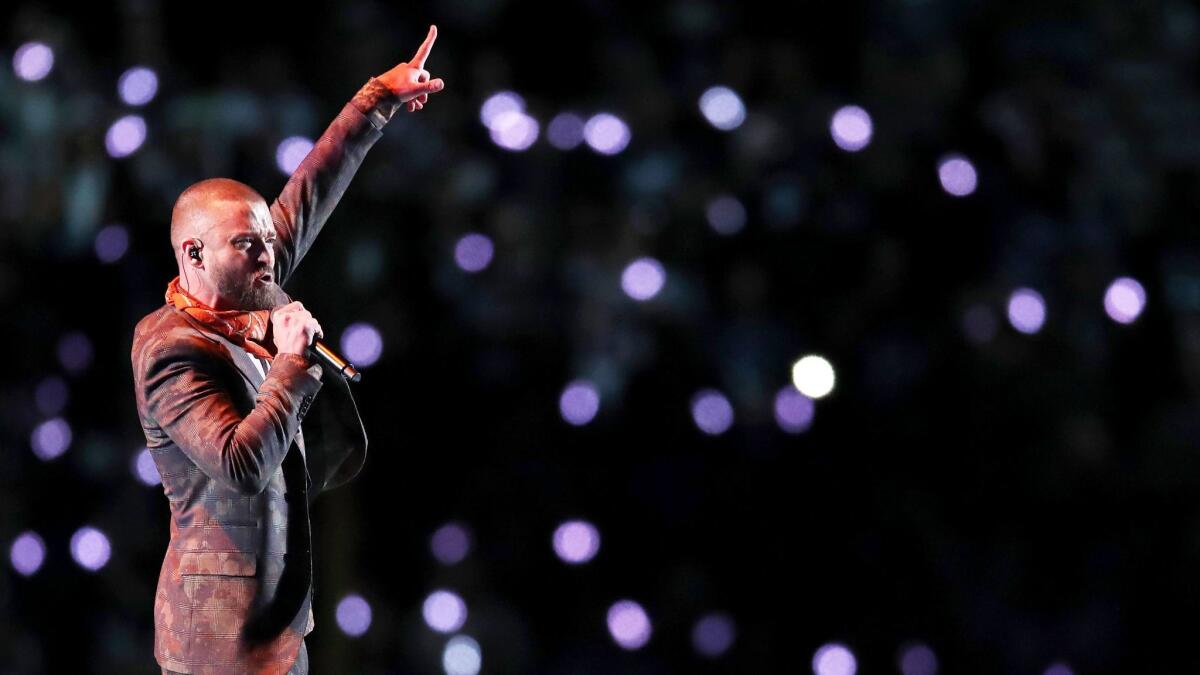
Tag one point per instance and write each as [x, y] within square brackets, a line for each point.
[410, 81]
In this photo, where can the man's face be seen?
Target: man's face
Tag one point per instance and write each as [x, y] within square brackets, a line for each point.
[241, 253]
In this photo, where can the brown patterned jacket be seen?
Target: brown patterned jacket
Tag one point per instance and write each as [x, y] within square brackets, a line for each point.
[235, 587]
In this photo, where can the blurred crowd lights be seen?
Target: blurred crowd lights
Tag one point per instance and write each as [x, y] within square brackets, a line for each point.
[444, 611]
[450, 543]
[851, 128]
[512, 128]
[576, 542]
[723, 108]
[628, 624]
[353, 615]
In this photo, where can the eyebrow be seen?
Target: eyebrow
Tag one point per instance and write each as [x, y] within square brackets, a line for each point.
[250, 233]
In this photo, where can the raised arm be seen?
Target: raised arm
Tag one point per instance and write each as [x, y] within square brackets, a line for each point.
[188, 399]
[314, 189]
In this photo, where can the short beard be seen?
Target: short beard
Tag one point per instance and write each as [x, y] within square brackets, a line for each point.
[250, 297]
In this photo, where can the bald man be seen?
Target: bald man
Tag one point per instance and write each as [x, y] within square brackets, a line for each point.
[223, 383]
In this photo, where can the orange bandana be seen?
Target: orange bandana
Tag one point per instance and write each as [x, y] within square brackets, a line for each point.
[245, 328]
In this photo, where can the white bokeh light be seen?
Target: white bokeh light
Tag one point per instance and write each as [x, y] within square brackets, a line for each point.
[576, 541]
[606, 134]
[643, 278]
[90, 548]
[1124, 300]
[834, 659]
[290, 152]
[723, 108]
[498, 104]
[851, 128]
[628, 624]
[125, 136]
[462, 656]
[137, 86]
[353, 615]
[444, 611]
[813, 376]
[514, 130]
[1026, 310]
[33, 61]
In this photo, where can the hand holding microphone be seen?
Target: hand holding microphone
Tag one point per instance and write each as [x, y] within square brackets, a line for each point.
[295, 331]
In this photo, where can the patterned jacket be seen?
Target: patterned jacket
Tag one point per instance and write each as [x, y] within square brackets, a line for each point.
[234, 591]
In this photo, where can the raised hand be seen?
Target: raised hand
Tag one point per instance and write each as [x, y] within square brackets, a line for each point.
[410, 81]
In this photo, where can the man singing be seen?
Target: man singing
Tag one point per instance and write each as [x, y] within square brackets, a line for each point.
[223, 382]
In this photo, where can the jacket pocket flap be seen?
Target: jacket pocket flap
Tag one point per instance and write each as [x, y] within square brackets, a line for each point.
[228, 563]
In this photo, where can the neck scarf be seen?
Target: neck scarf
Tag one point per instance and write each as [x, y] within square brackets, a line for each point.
[245, 328]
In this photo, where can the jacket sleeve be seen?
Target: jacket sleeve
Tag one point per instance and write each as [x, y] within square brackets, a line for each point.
[188, 401]
[314, 189]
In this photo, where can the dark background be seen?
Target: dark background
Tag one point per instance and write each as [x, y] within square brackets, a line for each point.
[1013, 501]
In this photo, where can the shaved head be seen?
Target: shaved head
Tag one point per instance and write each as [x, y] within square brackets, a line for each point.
[206, 203]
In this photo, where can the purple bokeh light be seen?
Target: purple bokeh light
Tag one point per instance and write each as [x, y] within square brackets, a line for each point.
[137, 86]
[51, 438]
[723, 108]
[726, 215]
[125, 136]
[50, 396]
[606, 134]
[473, 252]
[290, 152]
[711, 412]
[27, 553]
[90, 548]
[918, 659]
[362, 344]
[628, 624]
[579, 402]
[713, 634]
[75, 351]
[851, 128]
[450, 543]
[643, 278]
[353, 615]
[957, 175]
[514, 130]
[1124, 300]
[444, 611]
[834, 659]
[145, 469]
[565, 131]
[576, 541]
[794, 411]
[1026, 310]
[498, 104]
[111, 243]
[1059, 669]
[980, 324]
[33, 61]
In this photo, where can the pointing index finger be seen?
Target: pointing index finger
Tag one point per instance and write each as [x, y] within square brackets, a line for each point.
[423, 51]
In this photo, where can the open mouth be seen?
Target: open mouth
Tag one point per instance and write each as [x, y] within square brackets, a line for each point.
[264, 278]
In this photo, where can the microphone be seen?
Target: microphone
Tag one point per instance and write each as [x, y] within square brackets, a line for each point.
[328, 358]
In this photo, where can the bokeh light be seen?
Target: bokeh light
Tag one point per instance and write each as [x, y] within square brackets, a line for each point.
[33, 61]
[794, 411]
[834, 659]
[353, 615]
[606, 134]
[576, 541]
[918, 659]
[628, 624]
[851, 128]
[51, 438]
[713, 634]
[51, 394]
[711, 411]
[979, 323]
[473, 252]
[723, 108]
[125, 136]
[1124, 300]
[813, 376]
[27, 553]
[137, 86]
[74, 351]
[1026, 310]
[726, 215]
[444, 611]
[450, 543]
[499, 104]
[565, 131]
[145, 469]
[579, 402]
[957, 175]
[514, 130]
[90, 548]
[1059, 669]
[462, 656]
[111, 243]
[362, 344]
[290, 152]
[643, 278]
